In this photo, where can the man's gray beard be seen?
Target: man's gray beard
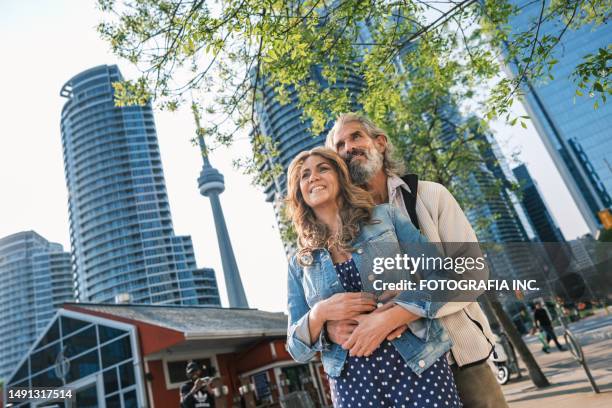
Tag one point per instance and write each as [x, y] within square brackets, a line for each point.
[362, 173]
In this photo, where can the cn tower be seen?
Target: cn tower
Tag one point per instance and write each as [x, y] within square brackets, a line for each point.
[211, 183]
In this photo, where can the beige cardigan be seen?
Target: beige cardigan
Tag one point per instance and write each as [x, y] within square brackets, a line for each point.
[441, 219]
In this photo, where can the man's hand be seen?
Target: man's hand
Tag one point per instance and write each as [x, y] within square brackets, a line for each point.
[199, 384]
[387, 298]
[397, 332]
[388, 295]
[343, 306]
[339, 331]
[373, 328]
[371, 331]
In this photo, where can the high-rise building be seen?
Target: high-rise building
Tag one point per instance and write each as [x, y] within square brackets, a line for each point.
[576, 135]
[493, 215]
[124, 248]
[583, 251]
[501, 223]
[283, 124]
[539, 215]
[36, 279]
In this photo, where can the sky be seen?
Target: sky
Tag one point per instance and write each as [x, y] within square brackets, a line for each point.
[44, 43]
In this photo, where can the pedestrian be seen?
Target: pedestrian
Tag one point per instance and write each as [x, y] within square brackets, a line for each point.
[434, 211]
[542, 321]
[198, 391]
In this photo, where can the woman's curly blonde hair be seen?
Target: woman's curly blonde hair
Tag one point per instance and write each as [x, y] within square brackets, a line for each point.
[354, 202]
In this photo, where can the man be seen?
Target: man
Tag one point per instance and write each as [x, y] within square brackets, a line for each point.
[542, 321]
[197, 392]
[369, 155]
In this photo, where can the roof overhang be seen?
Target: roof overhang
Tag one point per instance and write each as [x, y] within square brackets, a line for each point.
[242, 334]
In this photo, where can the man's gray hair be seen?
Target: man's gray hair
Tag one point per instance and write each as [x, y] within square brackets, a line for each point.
[390, 164]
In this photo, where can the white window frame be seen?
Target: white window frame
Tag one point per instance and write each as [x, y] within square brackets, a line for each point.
[185, 357]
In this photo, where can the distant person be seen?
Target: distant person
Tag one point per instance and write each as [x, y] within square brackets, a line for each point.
[542, 321]
[198, 391]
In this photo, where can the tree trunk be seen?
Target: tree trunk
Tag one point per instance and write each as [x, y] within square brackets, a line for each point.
[535, 372]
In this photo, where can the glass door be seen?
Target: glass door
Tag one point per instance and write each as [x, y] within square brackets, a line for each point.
[87, 397]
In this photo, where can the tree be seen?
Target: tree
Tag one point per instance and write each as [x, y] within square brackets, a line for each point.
[217, 47]
[415, 58]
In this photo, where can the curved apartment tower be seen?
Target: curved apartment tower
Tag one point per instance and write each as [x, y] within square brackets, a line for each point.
[36, 279]
[123, 244]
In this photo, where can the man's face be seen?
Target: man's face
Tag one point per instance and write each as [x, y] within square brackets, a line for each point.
[363, 155]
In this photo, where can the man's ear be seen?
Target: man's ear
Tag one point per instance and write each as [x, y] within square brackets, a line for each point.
[380, 141]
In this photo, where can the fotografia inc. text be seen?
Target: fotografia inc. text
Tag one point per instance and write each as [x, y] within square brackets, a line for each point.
[457, 285]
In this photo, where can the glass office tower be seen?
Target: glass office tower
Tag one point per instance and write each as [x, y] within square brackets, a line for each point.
[495, 214]
[576, 135]
[541, 219]
[36, 279]
[123, 243]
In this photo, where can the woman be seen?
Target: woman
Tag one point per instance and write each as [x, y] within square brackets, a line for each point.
[339, 232]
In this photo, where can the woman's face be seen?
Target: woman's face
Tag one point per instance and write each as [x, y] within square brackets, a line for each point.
[318, 181]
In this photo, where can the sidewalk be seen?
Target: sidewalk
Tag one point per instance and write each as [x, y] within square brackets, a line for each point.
[570, 387]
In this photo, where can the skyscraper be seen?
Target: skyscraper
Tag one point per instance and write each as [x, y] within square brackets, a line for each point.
[123, 244]
[36, 279]
[492, 214]
[541, 219]
[576, 135]
[283, 124]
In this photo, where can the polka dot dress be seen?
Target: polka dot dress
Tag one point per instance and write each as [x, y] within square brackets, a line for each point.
[383, 379]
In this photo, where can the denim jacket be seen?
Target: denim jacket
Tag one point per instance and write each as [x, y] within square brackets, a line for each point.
[316, 281]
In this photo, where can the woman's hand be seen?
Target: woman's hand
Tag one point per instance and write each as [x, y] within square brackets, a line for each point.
[343, 306]
[338, 307]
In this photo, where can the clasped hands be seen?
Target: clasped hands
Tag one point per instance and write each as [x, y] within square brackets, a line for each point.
[354, 321]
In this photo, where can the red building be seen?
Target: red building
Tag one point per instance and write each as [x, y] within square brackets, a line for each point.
[135, 356]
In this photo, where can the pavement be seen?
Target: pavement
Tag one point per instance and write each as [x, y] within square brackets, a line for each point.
[569, 387]
[589, 330]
